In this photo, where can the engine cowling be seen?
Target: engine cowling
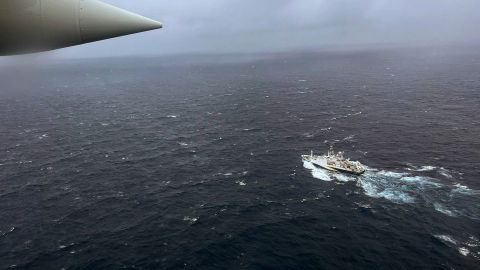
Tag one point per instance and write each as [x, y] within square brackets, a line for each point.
[39, 25]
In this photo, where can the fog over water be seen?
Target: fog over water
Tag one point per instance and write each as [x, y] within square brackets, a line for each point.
[220, 26]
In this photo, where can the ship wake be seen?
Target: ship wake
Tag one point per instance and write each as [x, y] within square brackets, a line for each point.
[411, 186]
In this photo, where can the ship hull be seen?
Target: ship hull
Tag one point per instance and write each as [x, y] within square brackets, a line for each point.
[350, 172]
[323, 165]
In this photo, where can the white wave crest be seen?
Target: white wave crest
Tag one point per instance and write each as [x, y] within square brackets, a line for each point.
[464, 251]
[426, 168]
[444, 210]
[473, 242]
[190, 220]
[241, 182]
[461, 244]
[446, 173]
[462, 189]
[446, 238]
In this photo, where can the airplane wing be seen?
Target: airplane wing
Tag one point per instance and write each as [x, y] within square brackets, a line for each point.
[41, 25]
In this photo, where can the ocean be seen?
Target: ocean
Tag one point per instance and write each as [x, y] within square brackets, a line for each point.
[195, 162]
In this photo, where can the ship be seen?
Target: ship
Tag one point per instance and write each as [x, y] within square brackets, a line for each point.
[335, 162]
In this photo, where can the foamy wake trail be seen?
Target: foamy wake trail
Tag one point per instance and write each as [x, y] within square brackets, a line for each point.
[392, 186]
[404, 187]
[398, 187]
[409, 187]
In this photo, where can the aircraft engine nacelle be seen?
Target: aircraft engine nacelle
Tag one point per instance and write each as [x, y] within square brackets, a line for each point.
[40, 25]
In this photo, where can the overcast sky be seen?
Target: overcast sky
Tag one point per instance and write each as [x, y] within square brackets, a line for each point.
[212, 26]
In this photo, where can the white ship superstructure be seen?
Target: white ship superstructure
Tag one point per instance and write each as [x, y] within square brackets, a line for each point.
[335, 162]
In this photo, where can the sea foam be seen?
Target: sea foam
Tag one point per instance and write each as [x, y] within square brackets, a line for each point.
[408, 187]
[317, 173]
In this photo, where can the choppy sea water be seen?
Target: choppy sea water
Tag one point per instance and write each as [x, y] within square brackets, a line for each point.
[166, 163]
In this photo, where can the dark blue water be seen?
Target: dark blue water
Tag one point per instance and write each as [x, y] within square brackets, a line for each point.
[194, 163]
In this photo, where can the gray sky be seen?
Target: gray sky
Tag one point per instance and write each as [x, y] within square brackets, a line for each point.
[211, 26]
